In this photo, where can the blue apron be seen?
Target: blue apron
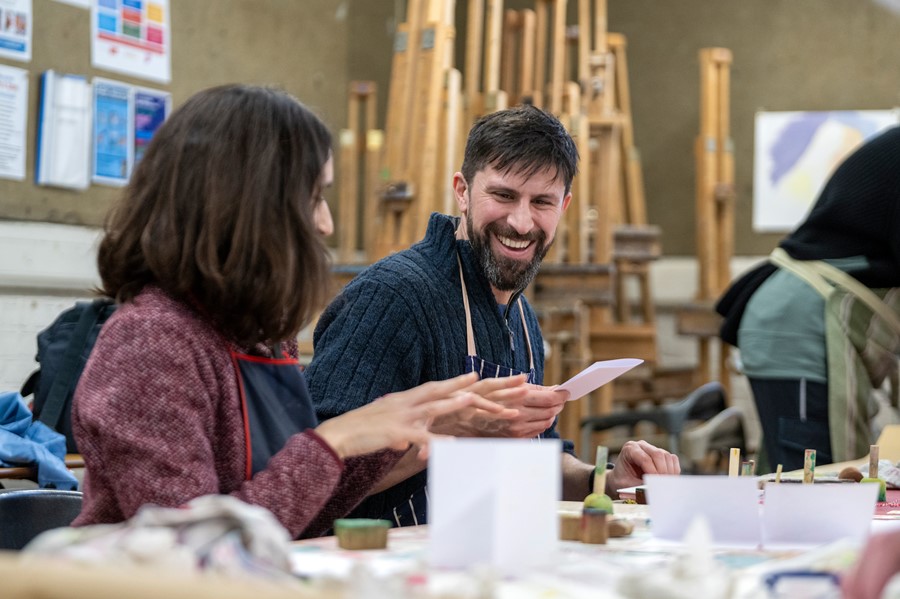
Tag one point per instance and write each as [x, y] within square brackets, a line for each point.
[275, 405]
[414, 511]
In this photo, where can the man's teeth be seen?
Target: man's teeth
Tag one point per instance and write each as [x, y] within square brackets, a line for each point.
[519, 245]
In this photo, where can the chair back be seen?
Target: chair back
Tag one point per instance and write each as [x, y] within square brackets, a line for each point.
[25, 513]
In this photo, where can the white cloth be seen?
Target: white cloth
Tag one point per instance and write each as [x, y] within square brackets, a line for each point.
[212, 533]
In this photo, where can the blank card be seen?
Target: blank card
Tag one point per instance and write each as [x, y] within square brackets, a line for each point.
[493, 501]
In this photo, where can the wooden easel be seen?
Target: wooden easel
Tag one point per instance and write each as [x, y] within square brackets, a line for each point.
[418, 121]
[715, 197]
[359, 149]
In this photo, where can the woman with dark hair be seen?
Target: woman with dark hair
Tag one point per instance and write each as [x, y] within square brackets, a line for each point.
[215, 255]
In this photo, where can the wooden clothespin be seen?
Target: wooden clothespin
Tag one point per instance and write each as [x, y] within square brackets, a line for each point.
[873, 461]
[809, 466]
[734, 462]
[600, 469]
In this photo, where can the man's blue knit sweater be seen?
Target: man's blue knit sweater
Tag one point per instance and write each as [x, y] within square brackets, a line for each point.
[401, 323]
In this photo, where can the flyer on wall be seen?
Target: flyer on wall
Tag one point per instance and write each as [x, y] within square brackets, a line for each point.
[113, 132]
[15, 29]
[151, 107]
[132, 37]
[13, 116]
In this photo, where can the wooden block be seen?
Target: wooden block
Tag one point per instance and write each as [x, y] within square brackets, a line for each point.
[612, 340]
[593, 526]
[698, 319]
[555, 282]
[640, 243]
[361, 533]
[570, 527]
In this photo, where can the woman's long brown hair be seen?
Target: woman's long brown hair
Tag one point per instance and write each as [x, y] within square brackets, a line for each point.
[219, 213]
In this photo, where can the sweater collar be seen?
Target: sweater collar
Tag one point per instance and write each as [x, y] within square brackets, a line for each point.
[442, 232]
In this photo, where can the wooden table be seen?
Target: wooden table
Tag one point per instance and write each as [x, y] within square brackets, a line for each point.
[73, 460]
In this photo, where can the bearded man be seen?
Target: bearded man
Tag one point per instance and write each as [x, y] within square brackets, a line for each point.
[453, 303]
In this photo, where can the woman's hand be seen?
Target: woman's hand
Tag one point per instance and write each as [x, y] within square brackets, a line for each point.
[530, 411]
[399, 420]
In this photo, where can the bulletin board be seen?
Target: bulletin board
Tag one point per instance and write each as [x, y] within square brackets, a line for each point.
[298, 46]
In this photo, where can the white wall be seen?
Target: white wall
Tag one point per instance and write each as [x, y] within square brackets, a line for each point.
[44, 269]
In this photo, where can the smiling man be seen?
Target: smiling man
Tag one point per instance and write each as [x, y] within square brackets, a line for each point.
[453, 303]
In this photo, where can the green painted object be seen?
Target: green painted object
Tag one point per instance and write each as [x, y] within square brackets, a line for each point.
[882, 487]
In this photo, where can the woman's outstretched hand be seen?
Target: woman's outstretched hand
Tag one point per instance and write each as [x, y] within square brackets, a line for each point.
[400, 420]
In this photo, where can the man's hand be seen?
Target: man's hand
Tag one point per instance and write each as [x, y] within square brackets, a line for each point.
[531, 410]
[636, 459]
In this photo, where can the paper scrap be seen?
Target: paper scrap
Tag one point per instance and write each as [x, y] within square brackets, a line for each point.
[596, 375]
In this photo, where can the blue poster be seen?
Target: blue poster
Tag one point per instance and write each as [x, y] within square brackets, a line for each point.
[113, 132]
[150, 110]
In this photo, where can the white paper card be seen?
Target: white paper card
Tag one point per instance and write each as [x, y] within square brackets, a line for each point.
[596, 375]
[813, 514]
[729, 504]
[493, 501]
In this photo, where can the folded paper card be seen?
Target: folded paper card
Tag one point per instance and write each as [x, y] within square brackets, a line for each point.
[596, 375]
[493, 501]
[789, 515]
[730, 506]
[815, 514]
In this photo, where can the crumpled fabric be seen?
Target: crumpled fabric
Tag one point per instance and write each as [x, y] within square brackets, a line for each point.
[213, 533]
[887, 470]
[25, 442]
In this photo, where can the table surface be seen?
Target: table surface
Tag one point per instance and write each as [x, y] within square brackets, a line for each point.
[73, 460]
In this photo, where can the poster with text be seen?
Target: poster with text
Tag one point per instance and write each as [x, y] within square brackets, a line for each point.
[151, 107]
[113, 132]
[132, 37]
[13, 117]
[795, 154]
[15, 29]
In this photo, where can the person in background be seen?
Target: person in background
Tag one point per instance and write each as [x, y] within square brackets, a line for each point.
[815, 345]
[216, 258]
[453, 303]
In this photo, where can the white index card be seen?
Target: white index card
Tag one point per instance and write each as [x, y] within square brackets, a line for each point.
[795, 514]
[596, 375]
[730, 505]
[493, 501]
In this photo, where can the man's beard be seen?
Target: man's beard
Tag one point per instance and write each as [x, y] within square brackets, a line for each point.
[503, 273]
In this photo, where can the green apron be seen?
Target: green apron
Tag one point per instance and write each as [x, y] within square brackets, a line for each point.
[862, 339]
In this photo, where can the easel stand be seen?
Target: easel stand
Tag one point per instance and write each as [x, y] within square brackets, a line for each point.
[714, 152]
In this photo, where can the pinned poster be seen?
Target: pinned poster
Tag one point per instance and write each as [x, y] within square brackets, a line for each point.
[151, 108]
[64, 131]
[132, 37]
[113, 132]
[13, 117]
[502, 512]
[16, 23]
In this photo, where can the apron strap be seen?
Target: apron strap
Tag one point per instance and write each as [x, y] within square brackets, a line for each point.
[527, 338]
[470, 334]
[817, 273]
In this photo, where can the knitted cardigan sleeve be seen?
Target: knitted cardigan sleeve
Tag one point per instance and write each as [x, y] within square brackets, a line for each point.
[157, 422]
[368, 343]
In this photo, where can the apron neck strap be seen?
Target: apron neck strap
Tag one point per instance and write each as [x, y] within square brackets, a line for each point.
[470, 332]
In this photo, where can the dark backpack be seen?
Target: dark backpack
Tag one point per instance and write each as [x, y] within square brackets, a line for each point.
[63, 350]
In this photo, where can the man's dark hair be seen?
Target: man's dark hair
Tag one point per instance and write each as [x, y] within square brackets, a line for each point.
[219, 214]
[523, 139]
